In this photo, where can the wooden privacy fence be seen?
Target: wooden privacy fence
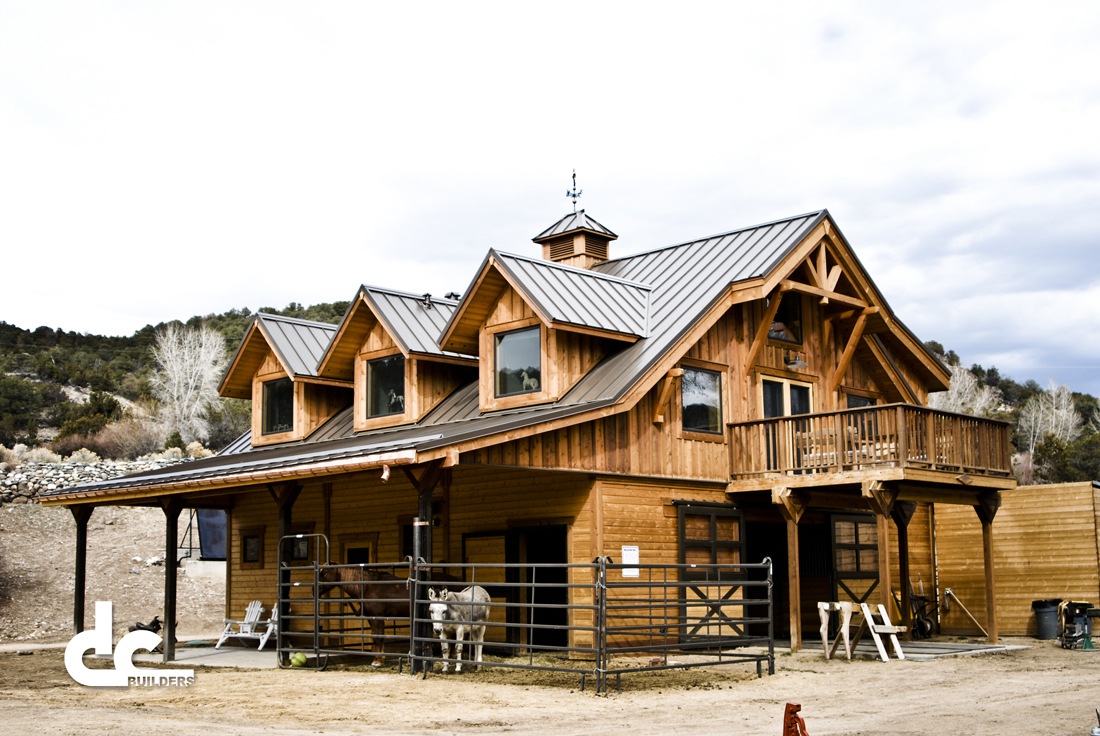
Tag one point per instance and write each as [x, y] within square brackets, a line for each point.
[598, 620]
[894, 435]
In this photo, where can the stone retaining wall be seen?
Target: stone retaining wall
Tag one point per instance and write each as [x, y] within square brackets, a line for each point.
[22, 483]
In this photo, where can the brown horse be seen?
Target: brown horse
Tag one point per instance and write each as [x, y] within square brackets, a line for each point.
[374, 594]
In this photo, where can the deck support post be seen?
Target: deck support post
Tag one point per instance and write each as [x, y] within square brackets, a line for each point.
[792, 506]
[81, 514]
[902, 514]
[987, 506]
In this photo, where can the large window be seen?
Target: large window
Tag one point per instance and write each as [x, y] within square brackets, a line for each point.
[278, 409]
[784, 398]
[701, 400]
[518, 362]
[386, 386]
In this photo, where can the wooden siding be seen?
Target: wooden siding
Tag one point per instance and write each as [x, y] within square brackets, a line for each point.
[364, 512]
[1044, 546]
[625, 444]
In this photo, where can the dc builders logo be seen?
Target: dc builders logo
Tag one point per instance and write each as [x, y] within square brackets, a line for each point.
[124, 672]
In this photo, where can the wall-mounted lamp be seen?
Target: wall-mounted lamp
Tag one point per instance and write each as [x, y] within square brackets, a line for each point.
[385, 473]
[795, 363]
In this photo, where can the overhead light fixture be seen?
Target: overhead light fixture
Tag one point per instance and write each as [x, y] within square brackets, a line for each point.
[795, 363]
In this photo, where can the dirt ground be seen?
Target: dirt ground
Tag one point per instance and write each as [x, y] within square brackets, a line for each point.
[1037, 689]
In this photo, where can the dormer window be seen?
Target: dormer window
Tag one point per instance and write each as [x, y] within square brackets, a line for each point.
[518, 362]
[278, 406]
[386, 386]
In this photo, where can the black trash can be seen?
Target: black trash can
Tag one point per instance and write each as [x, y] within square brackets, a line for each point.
[1046, 617]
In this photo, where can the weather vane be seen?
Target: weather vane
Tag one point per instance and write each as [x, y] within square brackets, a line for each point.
[575, 193]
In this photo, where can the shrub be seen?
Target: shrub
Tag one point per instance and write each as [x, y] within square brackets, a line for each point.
[129, 439]
[83, 455]
[8, 458]
[196, 450]
[175, 440]
[41, 455]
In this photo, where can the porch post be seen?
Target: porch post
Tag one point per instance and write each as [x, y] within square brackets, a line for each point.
[792, 506]
[886, 584]
[422, 531]
[81, 514]
[171, 507]
[988, 503]
[284, 498]
[902, 514]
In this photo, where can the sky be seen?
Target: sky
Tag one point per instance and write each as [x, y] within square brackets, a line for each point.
[160, 160]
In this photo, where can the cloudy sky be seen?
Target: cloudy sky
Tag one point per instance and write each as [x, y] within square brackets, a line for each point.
[164, 159]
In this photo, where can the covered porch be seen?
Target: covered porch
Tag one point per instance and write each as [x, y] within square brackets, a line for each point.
[881, 459]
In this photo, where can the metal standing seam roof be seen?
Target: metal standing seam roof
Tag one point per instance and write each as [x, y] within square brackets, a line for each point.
[299, 343]
[580, 297]
[574, 221]
[409, 320]
[684, 282]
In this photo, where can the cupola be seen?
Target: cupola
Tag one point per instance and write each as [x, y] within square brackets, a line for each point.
[575, 240]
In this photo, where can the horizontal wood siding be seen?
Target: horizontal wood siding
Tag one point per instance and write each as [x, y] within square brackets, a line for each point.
[364, 512]
[1044, 547]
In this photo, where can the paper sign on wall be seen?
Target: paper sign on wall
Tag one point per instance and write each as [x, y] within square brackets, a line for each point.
[630, 557]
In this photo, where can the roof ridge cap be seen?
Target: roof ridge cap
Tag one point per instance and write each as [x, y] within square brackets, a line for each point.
[693, 241]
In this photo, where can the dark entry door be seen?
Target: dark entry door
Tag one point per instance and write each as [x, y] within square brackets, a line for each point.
[855, 557]
[543, 590]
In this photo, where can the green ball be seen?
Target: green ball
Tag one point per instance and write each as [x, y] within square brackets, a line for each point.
[297, 660]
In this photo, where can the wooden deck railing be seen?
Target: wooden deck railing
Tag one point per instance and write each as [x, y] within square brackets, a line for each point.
[895, 435]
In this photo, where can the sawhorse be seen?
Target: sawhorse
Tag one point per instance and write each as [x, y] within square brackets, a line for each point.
[844, 611]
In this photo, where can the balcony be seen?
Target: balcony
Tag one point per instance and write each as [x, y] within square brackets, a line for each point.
[895, 440]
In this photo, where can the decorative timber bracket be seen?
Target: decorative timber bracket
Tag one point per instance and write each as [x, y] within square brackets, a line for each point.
[791, 503]
[880, 498]
[667, 384]
[987, 506]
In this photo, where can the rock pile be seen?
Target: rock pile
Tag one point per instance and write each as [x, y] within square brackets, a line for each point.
[22, 483]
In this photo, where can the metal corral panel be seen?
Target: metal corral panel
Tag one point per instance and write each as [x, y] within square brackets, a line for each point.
[579, 297]
[299, 343]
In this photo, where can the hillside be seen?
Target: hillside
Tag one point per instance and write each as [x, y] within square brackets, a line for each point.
[37, 559]
[49, 376]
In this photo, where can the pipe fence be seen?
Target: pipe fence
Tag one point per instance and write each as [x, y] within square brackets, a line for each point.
[598, 620]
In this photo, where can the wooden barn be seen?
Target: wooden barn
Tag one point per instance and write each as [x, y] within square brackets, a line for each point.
[1048, 547]
[744, 396]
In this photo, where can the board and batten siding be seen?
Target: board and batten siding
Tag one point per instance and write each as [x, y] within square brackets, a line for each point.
[1044, 547]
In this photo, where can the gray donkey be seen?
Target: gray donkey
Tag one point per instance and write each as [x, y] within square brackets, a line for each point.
[456, 614]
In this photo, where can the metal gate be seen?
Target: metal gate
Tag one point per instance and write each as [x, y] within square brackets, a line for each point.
[618, 618]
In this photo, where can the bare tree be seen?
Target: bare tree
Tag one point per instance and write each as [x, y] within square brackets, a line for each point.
[1049, 413]
[965, 395]
[190, 363]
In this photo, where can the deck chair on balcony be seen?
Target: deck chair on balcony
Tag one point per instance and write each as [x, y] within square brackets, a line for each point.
[252, 626]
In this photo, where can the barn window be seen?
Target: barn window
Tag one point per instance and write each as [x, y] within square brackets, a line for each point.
[252, 547]
[518, 362]
[386, 386]
[701, 400]
[278, 406]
